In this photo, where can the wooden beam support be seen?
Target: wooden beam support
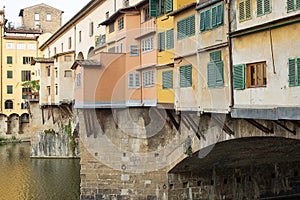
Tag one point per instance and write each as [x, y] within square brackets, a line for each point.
[259, 126]
[101, 122]
[173, 120]
[284, 127]
[296, 123]
[195, 125]
[188, 124]
[115, 116]
[162, 117]
[222, 125]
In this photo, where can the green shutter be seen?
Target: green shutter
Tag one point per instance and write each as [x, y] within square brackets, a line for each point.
[202, 21]
[297, 4]
[298, 71]
[290, 5]
[191, 26]
[215, 56]
[259, 7]
[207, 19]
[179, 30]
[292, 72]
[214, 16]
[239, 77]
[267, 6]
[9, 60]
[153, 8]
[211, 74]
[161, 41]
[248, 9]
[169, 5]
[170, 39]
[167, 79]
[185, 76]
[220, 14]
[242, 11]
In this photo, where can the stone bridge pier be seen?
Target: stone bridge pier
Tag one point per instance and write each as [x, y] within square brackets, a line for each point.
[157, 154]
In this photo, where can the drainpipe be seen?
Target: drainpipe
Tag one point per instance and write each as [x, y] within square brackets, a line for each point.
[75, 42]
[1, 63]
[231, 104]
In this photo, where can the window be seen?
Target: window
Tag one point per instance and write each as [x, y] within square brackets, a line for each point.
[107, 15]
[245, 10]
[161, 41]
[25, 75]
[67, 58]
[167, 79]
[263, 7]
[215, 70]
[186, 27]
[70, 42]
[212, 17]
[49, 90]
[62, 47]
[54, 50]
[9, 89]
[36, 17]
[68, 73]
[254, 74]
[160, 7]
[147, 44]
[78, 80]
[134, 80]
[134, 50]
[9, 74]
[79, 36]
[48, 71]
[185, 76]
[21, 46]
[148, 78]
[91, 29]
[293, 5]
[48, 17]
[112, 50]
[27, 60]
[146, 14]
[170, 38]
[32, 46]
[56, 73]
[9, 104]
[9, 60]
[56, 89]
[294, 71]
[10, 46]
[23, 106]
[121, 23]
[111, 28]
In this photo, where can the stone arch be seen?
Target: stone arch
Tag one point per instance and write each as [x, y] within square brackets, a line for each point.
[13, 124]
[91, 52]
[3, 124]
[80, 56]
[24, 123]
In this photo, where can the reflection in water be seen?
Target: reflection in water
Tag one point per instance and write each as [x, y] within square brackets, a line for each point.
[25, 178]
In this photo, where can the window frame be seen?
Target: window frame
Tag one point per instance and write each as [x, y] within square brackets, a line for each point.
[134, 80]
[9, 60]
[147, 44]
[9, 74]
[294, 72]
[120, 23]
[255, 74]
[48, 17]
[261, 3]
[25, 75]
[245, 3]
[167, 79]
[148, 78]
[294, 6]
[215, 70]
[9, 89]
[207, 19]
[8, 105]
[182, 30]
[186, 73]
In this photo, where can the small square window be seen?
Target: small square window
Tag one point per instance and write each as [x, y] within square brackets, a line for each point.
[48, 17]
[36, 17]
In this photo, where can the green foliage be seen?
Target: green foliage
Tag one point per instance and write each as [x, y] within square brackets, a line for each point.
[32, 85]
[68, 128]
[73, 144]
[13, 137]
[49, 132]
[2, 139]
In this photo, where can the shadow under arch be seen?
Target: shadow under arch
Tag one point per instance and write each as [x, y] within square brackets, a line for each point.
[91, 52]
[80, 56]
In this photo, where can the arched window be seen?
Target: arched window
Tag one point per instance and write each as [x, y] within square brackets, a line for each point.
[80, 56]
[9, 104]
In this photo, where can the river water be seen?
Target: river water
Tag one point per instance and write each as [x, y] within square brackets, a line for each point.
[22, 178]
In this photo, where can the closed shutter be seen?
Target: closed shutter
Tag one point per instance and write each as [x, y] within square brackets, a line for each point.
[161, 41]
[202, 21]
[297, 4]
[298, 71]
[180, 30]
[130, 80]
[214, 16]
[137, 80]
[290, 5]
[167, 79]
[134, 50]
[191, 27]
[153, 6]
[242, 11]
[169, 5]
[220, 74]
[239, 77]
[248, 9]
[215, 56]
[185, 76]
[207, 19]
[220, 14]
[267, 6]
[211, 74]
[292, 72]
[170, 38]
[259, 7]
